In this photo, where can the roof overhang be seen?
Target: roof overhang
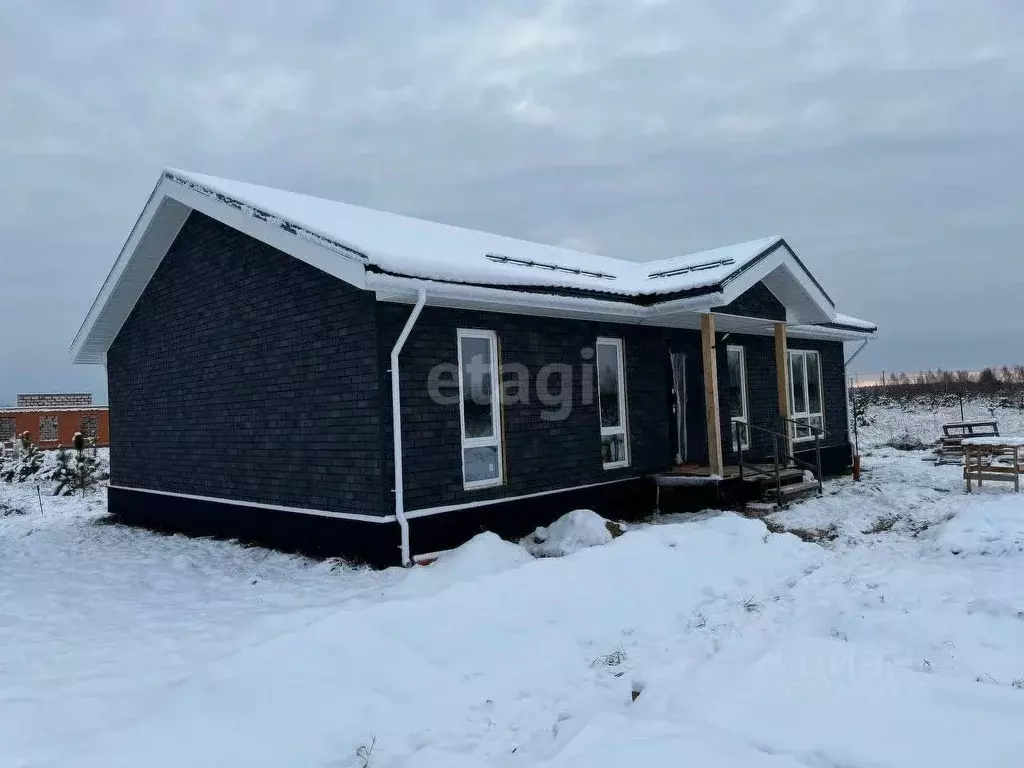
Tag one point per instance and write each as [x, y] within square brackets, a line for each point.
[810, 311]
[789, 280]
[678, 313]
[165, 213]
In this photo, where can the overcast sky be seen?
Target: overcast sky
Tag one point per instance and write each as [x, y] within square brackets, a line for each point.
[884, 140]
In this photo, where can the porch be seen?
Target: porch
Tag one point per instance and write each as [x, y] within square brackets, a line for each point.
[683, 474]
[750, 487]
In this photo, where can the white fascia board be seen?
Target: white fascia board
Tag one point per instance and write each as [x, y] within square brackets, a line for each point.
[269, 232]
[153, 233]
[783, 275]
[684, 313]
[403, 290]
[735, 287]
[825, 333]
[161, 220]
[705, 302]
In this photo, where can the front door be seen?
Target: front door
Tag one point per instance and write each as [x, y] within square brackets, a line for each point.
[679, 403]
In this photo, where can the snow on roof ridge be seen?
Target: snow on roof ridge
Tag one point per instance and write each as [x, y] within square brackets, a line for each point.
[853, 322]
[217, 181]
[761, 244]
[465, 250]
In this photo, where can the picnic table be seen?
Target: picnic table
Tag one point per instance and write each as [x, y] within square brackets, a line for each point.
[992, 458]
[950, 445]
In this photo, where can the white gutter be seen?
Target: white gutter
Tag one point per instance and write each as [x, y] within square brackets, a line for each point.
[396, 424]
[403, 289]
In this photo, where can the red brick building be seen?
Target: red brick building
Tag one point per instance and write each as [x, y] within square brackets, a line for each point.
[53, 419]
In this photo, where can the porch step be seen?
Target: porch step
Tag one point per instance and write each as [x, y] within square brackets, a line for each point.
[791, 492]
[760, 509]
[787, 475]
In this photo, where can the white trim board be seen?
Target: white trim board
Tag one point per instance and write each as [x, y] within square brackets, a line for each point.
[261, 505]
[487, 502]
[426, 512]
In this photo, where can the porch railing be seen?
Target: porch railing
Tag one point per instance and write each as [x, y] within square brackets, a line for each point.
[781, 454]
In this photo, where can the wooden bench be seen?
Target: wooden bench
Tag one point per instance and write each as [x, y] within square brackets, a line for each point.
[992, 458]
[950, 450]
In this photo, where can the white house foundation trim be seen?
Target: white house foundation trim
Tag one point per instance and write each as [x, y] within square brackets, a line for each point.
[260, 505]
[425, 512]
[493, 502]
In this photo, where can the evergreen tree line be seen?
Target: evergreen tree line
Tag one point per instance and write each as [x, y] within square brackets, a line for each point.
[1006, 381]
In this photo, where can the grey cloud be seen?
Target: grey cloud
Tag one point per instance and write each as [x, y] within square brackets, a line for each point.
[882, 139]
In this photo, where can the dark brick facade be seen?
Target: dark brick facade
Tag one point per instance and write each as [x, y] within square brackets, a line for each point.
[543, 455]
[246, 374]
[540, 454]
[756, 301]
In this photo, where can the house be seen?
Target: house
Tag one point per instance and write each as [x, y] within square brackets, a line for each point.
[52, 419]
[327, 378]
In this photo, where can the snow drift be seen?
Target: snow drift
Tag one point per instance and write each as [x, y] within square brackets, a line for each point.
[573, 531]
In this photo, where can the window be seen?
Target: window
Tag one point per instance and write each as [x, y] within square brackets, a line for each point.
[90, 427]
[611, 396]
[479, 409]
[6, 430]
[48, 429]
[737, 392]
[805, 393]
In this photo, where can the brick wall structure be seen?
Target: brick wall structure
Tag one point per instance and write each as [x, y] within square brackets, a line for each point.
[243, 373]
[50, 427]
[55, 400]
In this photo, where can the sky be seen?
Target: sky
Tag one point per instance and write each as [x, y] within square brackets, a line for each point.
[883, 139]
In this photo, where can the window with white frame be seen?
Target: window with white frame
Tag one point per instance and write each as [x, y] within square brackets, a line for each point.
[479, 409]
[48, 429]
[611, 395]
[737, 392]
[805, 398]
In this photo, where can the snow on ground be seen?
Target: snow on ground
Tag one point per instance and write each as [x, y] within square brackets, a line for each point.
[573, 531]
[923, 418]
[899, 646]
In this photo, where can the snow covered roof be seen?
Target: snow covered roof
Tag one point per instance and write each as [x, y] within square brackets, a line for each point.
[397, 255]
[425, 249]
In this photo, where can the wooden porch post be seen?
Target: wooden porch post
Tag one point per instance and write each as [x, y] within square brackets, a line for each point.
[709, 357]
[782, 373]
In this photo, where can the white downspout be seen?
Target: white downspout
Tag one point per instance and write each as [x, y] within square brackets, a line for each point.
[396, 423]
[857, 352]
[851, 426]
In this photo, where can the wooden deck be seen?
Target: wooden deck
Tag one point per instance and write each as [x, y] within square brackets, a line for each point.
[684, 474]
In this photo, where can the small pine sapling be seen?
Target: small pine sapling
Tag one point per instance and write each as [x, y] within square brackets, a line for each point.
[86, 462]
[63, 475]
[31, 460]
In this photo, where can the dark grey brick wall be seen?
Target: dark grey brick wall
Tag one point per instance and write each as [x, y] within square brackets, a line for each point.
[246, 374]
[540, 455]
[543, 455]
[762, 391]
[243, 373]
[756, 301]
